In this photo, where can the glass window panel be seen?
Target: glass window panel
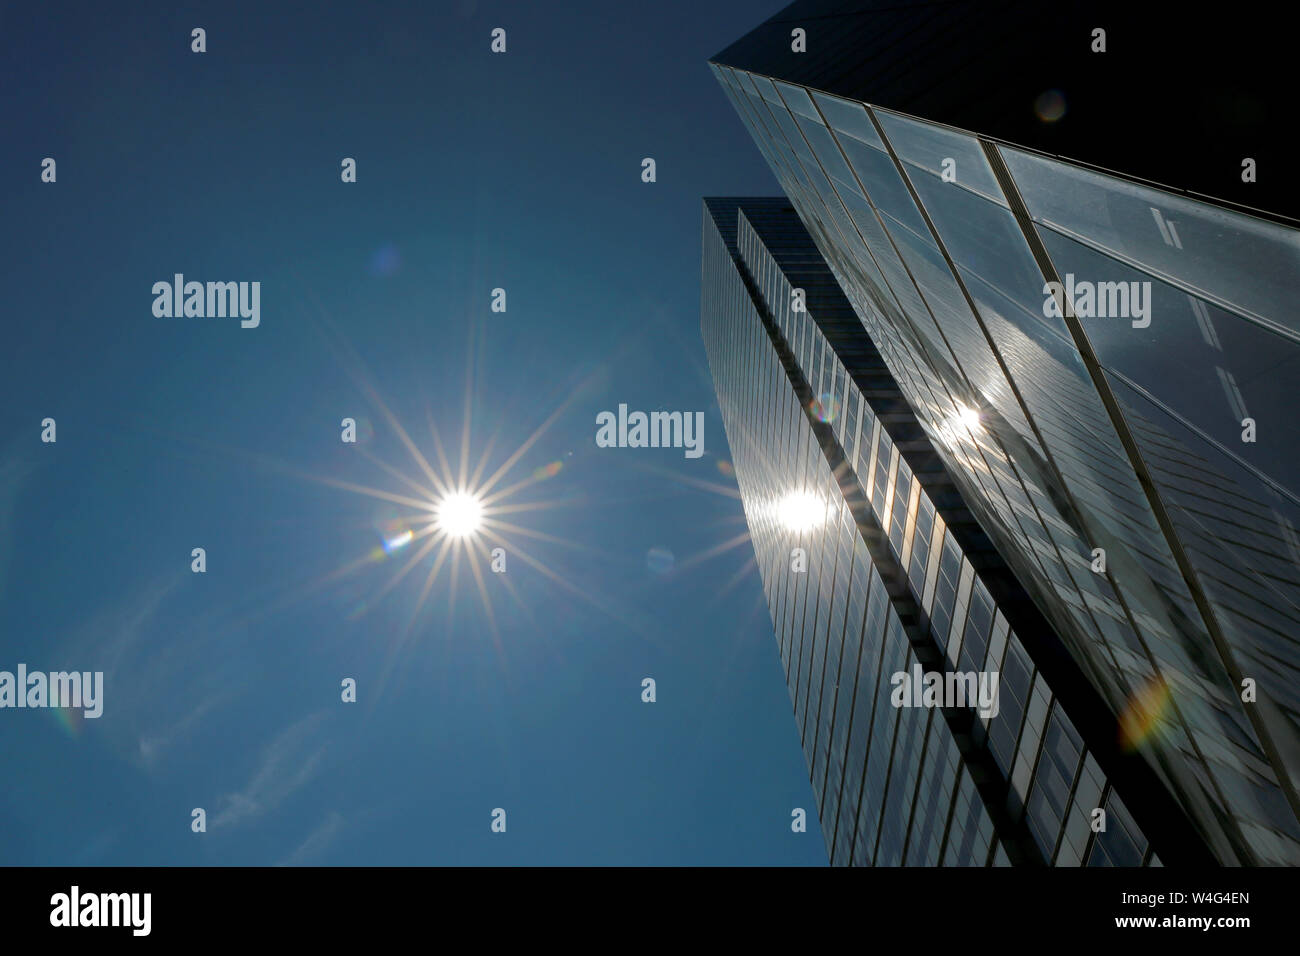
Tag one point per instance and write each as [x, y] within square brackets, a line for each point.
[846, 116]
[926, 146]
[1241, 260]
[1209, 366]
[879, 177]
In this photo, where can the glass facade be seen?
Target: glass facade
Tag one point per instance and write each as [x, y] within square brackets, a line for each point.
[869, 580]
[1120, 438]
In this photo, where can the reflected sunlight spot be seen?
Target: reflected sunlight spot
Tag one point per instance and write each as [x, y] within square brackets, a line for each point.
[801, 510]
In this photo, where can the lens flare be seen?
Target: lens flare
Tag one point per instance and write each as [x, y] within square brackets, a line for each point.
[825, 408]
[386, 261]
[394, 534]
[1050, 106]
[69, 718]
[1144, 714]
[397, 541]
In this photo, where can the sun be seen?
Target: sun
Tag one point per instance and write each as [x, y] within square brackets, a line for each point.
[459, 515]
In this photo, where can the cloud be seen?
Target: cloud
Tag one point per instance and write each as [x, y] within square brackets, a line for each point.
[121, 629]
[316, 841]
[287, 763]
[154, 745]
[162, 681]
[152, 677]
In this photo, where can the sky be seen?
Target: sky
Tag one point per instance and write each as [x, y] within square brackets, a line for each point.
[520, 691]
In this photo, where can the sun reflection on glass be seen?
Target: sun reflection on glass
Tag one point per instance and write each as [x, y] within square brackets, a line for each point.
[801, 511]
[968, 417]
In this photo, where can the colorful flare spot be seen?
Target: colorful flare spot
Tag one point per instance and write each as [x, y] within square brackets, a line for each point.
[69, 718]
[386, 261]
[548, 471]
[1143, 715]
[1050, 106]
[394, 534]
[398, 541]
[726, 468]
[825, 408]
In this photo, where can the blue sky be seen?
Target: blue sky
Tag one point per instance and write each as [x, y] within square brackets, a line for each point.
[475, 171]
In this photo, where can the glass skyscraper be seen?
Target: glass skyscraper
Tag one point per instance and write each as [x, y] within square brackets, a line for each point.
[1024, 417]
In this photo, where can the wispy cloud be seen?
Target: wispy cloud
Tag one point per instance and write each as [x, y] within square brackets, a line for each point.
[162, 681]
[287, 763]
[154, 744]
[156, 687]
[120, 630]
[317, 841]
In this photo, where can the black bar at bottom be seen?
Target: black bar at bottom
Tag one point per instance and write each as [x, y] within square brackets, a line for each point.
[335, 906]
